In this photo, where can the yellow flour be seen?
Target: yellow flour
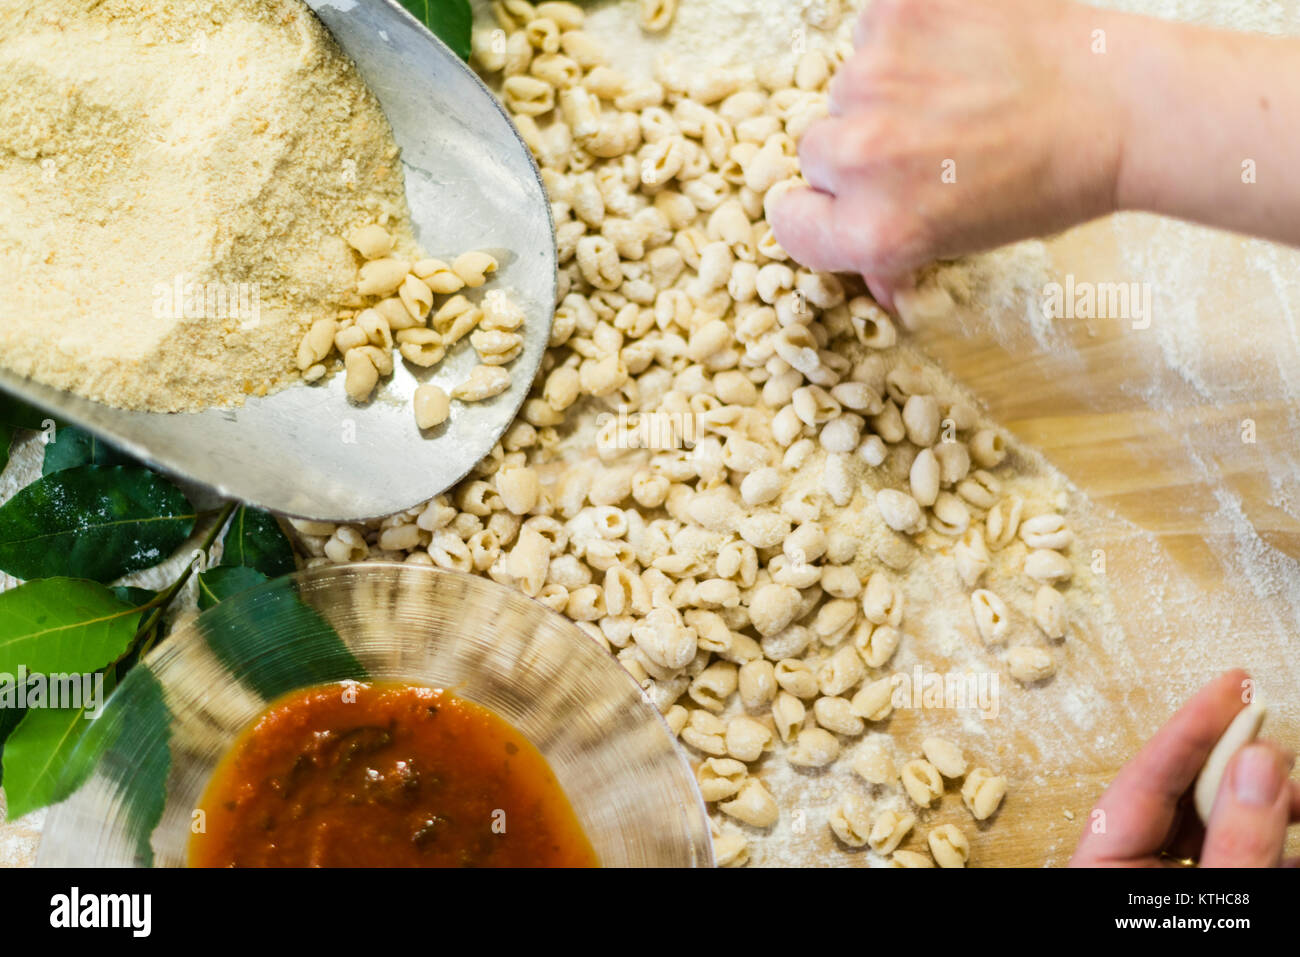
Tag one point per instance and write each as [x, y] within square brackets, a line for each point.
[220, 150]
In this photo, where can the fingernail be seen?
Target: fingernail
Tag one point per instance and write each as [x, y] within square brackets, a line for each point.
[1258, 778]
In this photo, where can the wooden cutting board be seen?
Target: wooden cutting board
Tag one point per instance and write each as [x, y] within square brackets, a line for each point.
[1188, 430]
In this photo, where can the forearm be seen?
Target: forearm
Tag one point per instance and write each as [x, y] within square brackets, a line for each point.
[1211, 125]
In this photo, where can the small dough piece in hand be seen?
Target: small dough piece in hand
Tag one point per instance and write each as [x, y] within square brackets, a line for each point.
[1242, 731]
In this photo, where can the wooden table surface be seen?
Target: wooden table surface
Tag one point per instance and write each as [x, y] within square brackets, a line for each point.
[1154, 425]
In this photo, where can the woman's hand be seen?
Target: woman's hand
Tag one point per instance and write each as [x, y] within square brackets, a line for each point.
[956, 126]
[1146, 817]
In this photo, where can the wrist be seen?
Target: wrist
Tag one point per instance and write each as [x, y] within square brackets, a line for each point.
[1151, 75]
[1137, 44]
[1100, 106]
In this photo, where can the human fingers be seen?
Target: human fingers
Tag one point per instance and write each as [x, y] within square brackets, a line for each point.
[849, 87]
[1248, 825]
[879, 20]
[884, 289]
[1140, 807]
[821, 151]
[862, 27]
[804, 223]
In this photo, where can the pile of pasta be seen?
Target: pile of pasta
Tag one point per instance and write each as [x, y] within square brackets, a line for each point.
[727, 465]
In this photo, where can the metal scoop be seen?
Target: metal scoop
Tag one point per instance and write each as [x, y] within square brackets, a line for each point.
[308, 451]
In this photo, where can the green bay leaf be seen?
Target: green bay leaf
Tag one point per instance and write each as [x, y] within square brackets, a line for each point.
[276, 642]
[142, 773]
[71, 446]
[255, 540]
[63, 625]
[7, 433]
[449, 20]
[42, 763]
[19, 414]
[52, 752]
[218, 584]
[9, 718]
[93, 521]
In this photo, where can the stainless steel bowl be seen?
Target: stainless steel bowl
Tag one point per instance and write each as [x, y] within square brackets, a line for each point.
[309, 451]
[177, 713]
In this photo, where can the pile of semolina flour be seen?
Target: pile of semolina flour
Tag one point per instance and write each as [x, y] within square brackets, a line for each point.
[175, 182]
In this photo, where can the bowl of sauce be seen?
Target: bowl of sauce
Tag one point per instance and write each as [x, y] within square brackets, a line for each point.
[380, 715]
[385, 775]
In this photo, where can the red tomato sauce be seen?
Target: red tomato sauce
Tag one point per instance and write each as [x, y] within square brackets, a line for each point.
[384, 775]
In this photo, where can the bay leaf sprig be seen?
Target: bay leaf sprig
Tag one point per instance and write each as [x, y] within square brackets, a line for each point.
[94, 516]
